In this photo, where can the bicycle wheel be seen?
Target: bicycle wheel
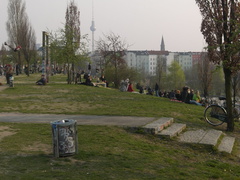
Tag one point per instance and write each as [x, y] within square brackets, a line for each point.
[215, 115]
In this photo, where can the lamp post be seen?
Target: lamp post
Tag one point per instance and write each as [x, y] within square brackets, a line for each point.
[43, 52]
[46, 65]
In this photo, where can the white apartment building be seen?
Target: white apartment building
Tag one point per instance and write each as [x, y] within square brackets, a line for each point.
[148, 60]
[170, 58]
[152, 64]
[138, 60]
[145, 61]
[184, 59]
[131, 59]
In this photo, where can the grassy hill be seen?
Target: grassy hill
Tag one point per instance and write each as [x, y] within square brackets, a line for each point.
[60, 98]
[104, 152]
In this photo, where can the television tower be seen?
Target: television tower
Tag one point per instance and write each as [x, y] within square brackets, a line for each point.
[93, 28]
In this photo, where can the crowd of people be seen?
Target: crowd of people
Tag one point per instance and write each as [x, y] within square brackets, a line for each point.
[186, 95]
[88, 80]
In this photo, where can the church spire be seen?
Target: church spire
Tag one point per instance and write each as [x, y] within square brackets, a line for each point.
[162, 45]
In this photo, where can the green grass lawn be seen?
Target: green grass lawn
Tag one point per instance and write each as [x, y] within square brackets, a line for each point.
[105, 152]
[61, 98]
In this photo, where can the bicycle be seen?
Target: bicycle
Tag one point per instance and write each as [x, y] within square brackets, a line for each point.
[216, 114]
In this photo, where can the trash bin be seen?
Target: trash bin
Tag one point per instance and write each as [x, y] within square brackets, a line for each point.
[64, 137]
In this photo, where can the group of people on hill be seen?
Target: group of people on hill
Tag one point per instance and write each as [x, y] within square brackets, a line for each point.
[186, 95]
[146, 90]
[126, 86]
[89, 80]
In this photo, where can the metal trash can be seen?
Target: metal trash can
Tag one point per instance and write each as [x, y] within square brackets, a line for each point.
[64, 136]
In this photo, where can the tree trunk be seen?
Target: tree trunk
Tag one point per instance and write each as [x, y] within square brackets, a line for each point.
[68, 73]
[28, 69]
[228, 93]
[72, 73]
[205, 92]
[116, 81]
[19, 70]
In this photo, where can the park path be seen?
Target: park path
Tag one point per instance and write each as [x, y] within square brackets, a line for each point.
[128, 121]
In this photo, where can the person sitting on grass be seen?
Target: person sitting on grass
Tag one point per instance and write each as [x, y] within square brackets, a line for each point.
[89, 81]
[130, 87]
[103, 79]
[196, 99]
[42, 81]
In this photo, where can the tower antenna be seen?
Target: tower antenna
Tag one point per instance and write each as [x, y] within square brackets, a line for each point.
[92, 27]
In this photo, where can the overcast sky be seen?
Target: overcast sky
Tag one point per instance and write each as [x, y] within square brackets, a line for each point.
[141, 23]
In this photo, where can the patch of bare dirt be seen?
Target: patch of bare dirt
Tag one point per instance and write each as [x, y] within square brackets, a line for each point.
[176, 114]
[5, 131]
[70, 160]
[38, 146]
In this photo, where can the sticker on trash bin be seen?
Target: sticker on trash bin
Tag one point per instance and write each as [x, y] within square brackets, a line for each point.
[66, 140]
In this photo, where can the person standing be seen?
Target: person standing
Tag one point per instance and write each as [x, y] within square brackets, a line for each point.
[89, 68]
[9, 72]
[17, 69]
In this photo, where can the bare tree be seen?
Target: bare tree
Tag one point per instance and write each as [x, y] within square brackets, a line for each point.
[3, 55]
[161, 70]
[20, 32]
[205, 70]
[112, 49]
[72, 35]
[220, 28]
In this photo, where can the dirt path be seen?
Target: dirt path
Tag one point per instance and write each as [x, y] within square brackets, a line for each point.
[3, 84]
